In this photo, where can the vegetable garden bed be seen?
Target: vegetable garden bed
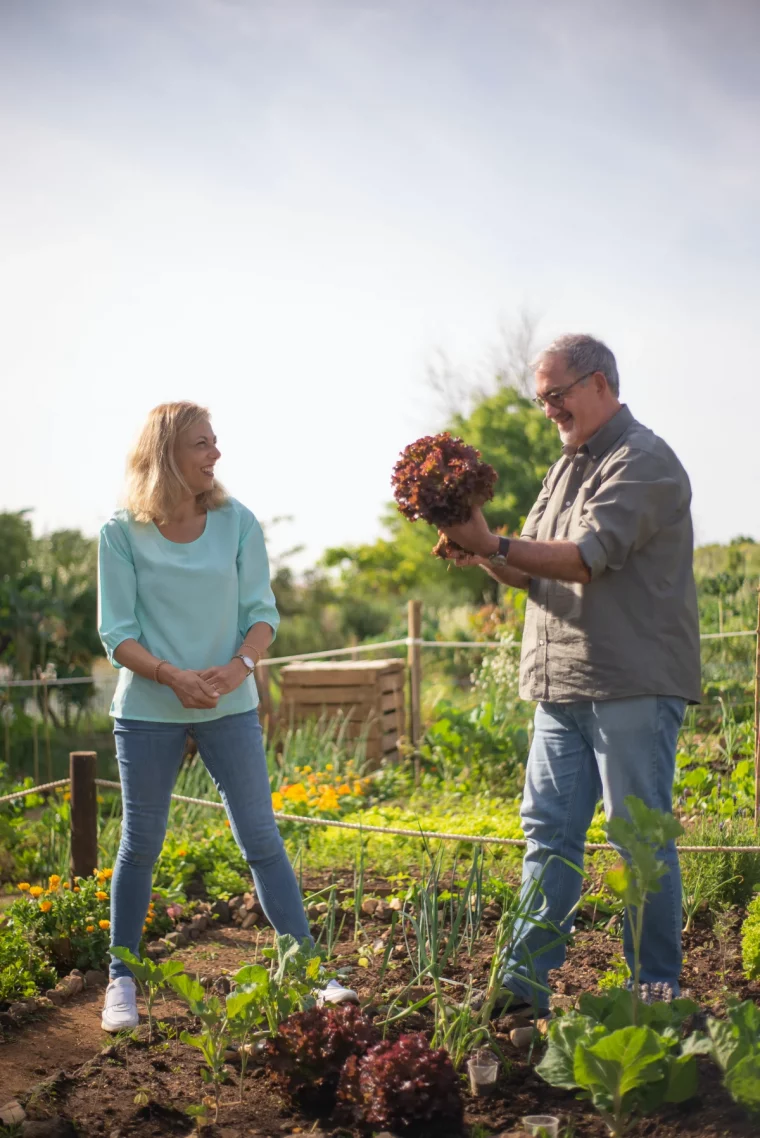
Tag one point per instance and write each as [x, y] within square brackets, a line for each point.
[135, 1088]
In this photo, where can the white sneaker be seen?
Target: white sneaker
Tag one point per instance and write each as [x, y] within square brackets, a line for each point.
[120, 1008]
[334, 993]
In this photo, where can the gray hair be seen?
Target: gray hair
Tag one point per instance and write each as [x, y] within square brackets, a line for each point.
[583, 354]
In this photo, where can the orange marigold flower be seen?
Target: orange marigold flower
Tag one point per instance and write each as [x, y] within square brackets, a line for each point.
[358, 788]
[328, 799]
[24, 886]
[101, 896]
[66, 885]
[104, 924]
[36, 890]
[277, 802]
[344, 788]
[89, 929]
[181, 853]
[108, 874]
[67, 796]
[296, 793]
[76, 889]
[54, 881]
[46, 906]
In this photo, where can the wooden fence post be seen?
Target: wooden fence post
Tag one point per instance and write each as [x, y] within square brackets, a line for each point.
[414, 661]
[84, 813]
[757, 716]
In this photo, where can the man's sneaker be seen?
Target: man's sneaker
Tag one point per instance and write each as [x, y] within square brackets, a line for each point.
[334, 993]
[120, 1008]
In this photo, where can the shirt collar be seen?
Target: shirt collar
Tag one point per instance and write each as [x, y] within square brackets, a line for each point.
[607, 434]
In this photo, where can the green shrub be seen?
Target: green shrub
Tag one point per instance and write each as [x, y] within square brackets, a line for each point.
[24, 970]
[751, 941]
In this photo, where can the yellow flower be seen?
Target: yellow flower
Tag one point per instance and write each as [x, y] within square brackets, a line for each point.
[24, 886]
[36, 890]
[67, 796]
[358, 788]
[344, 789]
[101, 896]
[148, 920]
[104, 924]
[306, 770]
[296, 793]
[46, 906]
[101, 799]
[328, 799]
[77, 889]
[89, 929]
[54, 881]
[328, 766]
[66, 885]
[276, 804]
[102, 879]
[108, 874]
[95, 872]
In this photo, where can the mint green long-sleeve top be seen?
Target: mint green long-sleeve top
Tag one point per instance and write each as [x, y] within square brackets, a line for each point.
[190, 604]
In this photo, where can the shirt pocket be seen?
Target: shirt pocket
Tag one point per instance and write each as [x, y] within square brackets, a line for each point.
[564, 601]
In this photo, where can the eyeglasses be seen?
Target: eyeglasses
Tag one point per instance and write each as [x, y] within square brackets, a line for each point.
[556, 399]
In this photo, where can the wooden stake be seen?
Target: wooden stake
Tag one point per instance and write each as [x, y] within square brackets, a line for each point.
[84, 813]
[757, 715]
[414, 661]
[46, 721]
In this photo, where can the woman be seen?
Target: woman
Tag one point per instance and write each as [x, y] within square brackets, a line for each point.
[186, 611]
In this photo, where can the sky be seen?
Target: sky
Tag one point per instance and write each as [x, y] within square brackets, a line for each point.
[284, 209]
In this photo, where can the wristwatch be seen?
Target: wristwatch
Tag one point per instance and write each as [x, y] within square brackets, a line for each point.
[499, 558]
[247, 661]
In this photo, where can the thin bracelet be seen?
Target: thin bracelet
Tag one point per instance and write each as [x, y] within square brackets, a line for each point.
[157, 668]
[251, 648]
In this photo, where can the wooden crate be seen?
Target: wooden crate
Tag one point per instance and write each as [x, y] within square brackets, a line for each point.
[369, 694]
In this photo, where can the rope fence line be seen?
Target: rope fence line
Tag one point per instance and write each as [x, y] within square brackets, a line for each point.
[325, 653]
[397, 831]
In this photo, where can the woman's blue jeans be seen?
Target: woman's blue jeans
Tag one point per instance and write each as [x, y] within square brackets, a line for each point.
[581, 752]
[149, 756]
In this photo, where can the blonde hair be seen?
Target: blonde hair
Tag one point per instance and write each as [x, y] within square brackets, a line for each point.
[155, 486]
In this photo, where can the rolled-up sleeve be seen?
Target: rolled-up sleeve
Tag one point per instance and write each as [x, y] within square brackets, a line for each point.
[255, 597]
[639, 495]
[117, 590]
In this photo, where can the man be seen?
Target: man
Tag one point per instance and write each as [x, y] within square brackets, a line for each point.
[610, 650]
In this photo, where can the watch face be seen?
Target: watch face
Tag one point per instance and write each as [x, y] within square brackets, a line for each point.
[248, 662]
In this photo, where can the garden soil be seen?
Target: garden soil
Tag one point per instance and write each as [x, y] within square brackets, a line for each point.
[77, 1072]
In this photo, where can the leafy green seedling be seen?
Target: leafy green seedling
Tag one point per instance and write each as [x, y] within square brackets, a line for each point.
[648, 831]
[150, 977]
[735, 1046]
[632, 1070]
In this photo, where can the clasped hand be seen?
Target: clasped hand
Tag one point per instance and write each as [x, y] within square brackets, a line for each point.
[202, 688]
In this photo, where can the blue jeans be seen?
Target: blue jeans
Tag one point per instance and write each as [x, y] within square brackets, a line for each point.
[149, 756]
[583, 751]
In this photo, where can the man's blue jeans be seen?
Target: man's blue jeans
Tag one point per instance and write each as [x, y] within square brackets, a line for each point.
[581, 752]
[149, 756]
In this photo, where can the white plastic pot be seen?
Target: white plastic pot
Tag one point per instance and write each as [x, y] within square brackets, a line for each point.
[544, 1124]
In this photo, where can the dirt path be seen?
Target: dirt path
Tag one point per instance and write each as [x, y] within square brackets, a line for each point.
[62, 1037]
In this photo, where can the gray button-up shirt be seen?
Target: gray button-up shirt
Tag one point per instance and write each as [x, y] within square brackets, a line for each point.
[624, 499]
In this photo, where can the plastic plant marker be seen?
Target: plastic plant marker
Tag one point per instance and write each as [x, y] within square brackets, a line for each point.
[541, 1125]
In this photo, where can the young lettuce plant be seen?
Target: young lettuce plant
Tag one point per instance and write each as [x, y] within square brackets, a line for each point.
[735, 1046]
[150, 977]
[648, 831]
[625, 1055]
[212, 1039]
